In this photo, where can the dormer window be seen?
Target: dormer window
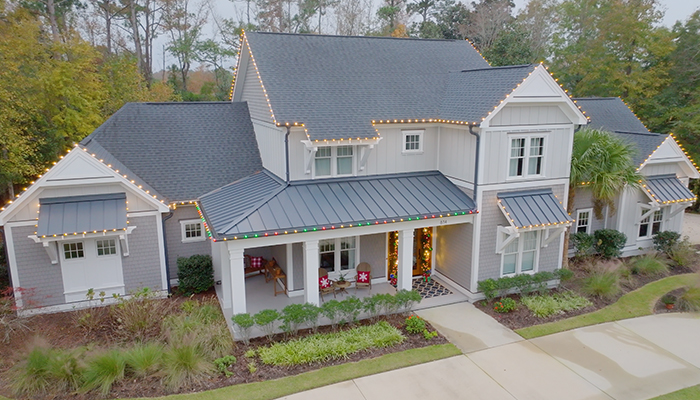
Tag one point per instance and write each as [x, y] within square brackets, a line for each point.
[412, 142]
[334, 161]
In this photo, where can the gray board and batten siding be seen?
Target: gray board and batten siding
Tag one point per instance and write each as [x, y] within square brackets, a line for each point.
[173, 234]
[142, 267]
[453, 255]
[35, 271]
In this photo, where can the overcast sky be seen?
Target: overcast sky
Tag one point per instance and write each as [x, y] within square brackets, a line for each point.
[675, 10]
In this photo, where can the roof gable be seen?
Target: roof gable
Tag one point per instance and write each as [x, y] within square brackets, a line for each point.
[669, 151]
[179, 150]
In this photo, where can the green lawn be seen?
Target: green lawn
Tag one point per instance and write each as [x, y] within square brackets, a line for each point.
[633, 304]
[322, 377]
[691, 393]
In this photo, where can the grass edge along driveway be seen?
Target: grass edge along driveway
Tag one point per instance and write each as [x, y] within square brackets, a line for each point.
[637, 303]
[321, 377]
[690, 393]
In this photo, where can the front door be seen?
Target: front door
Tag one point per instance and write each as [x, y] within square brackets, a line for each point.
[422, 252]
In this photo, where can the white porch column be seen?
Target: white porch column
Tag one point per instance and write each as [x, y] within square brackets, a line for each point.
[311, 265]
[225, 265]
[405, 268]
[237, 285]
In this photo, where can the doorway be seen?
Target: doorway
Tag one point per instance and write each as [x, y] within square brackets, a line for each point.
[422, 253]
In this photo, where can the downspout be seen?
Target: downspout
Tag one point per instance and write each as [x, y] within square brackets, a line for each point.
[476, 166]
[286, 152]
[165, 249]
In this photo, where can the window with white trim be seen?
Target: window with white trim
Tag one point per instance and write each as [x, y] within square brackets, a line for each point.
[334, 161]
[412, 142]
[338, 255]
[73, 250]
[583, 220]
[526, 156]
[521, 254]
[106, 247]
[192, 230]
[651, 225]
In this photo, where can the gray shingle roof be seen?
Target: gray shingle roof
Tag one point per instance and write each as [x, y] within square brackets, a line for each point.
[533, 208]
[330, 203]
[471, 95]
[667, 189]
[612, 114]
[336, 85]
[77, 214]
[179, 150]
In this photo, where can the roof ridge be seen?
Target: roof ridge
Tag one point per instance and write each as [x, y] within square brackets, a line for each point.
[498, 68]
[363, 177]
[169, 103]
[642, 133]
[356, 36]
[596, 98]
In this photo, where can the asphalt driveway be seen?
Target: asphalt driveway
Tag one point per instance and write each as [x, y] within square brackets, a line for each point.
[632, 359]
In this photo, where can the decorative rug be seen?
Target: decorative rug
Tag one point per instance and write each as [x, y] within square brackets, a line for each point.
[430, 289]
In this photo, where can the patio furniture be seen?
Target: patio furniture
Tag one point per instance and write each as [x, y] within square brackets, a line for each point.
[364, 276]
[279, 276]
[325, 285]
[269, 266]
[254, 264]
[341, 286]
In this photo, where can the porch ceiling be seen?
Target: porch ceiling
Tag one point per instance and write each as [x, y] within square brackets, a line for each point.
[305, 206]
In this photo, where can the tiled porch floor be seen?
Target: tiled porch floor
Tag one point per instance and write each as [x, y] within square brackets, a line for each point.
[259, 296]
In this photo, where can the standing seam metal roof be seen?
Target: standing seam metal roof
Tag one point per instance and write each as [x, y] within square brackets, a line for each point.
[667, 189]
[533, 208]
[76, 214]
[329, 203]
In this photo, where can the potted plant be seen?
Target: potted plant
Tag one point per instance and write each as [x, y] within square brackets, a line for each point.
[669, 300]
[341, 278]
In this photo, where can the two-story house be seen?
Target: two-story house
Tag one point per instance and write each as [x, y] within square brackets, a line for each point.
[414, 156]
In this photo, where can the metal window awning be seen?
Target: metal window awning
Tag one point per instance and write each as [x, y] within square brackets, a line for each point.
[667, 189]
[60, 216]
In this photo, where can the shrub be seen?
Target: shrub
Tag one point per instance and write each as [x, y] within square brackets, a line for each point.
[350, 308]
[407, 299]
[609, 242]
[371, 306]
[505, 305]
[564, 274]
[690, 300]
[102, 371]
[331, 310]
[664, 241]
[252, 367]
[683, 254]
[649, 265]
[668, 299]
[266, 319]
[293, 316]
[183, 364]
[46, 369]
[311, 315]
[414, 324]
[139, 317]
[144, 359]
[387, 303]
[331, 346]
[243, 323]
[602, 284]
[583, 243]
[9, 320]
[489, 288]
[204, 325]
[429, 335]
[544, 306]
[251, 353]
[195, 274]
[222, 364]
[524, 283]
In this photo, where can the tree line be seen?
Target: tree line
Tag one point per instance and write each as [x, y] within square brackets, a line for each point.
[67, 65]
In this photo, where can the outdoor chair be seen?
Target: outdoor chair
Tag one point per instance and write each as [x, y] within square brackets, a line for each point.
[364, 276]
[325, 285]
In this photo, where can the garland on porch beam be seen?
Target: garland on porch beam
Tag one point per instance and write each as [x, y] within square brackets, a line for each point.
[393, 256]
[426, 244]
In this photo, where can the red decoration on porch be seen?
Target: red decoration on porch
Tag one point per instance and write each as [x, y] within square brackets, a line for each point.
[363, 277]
[256, 262]
[324, 283]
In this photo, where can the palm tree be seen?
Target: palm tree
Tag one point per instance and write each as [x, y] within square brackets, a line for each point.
[602, 163]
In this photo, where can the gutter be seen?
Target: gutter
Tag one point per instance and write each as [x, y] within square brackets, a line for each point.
[165, 249]
[476, 166]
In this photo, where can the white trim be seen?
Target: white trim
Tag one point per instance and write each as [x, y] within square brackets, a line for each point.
[202, 231]
[650, 224]
[78, 305]
[351, 271]
[529, 182]
[519, 256]
[526, 155]
[334, 161]
[12, 261]
[476, 240]
[421, 139]
[290, 266]
[161, 253]
[578, 216]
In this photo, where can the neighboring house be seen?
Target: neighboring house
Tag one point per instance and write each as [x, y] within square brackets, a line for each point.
[414, 156]
[659, 204]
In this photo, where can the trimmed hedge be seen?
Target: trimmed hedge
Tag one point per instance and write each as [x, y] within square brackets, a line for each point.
[523, 283]
[195, 274]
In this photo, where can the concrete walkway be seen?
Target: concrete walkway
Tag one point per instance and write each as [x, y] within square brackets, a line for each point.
[691, 227]
[627, 360]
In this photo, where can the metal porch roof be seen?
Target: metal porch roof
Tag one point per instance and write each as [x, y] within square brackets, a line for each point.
[79, 214]
[533, 208]
[667, 189]
[334, 203]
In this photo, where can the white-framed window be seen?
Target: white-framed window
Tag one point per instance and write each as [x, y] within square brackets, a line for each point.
[526, 156]
[192, 230]
[651, 225]
[583, 220]
[338, 255]
[106, 247]
[521, 255]
[334, 161]
[412, 142]
[73, 250]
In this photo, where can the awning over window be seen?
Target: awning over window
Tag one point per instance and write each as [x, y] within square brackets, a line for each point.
[82, 214]
[533, 209]
[666, 189]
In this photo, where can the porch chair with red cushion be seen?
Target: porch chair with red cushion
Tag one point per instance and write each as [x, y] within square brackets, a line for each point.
[364, 276]
[325, 285]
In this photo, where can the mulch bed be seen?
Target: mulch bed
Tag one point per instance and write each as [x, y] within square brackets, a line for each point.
[522, 317]
[60, 330]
